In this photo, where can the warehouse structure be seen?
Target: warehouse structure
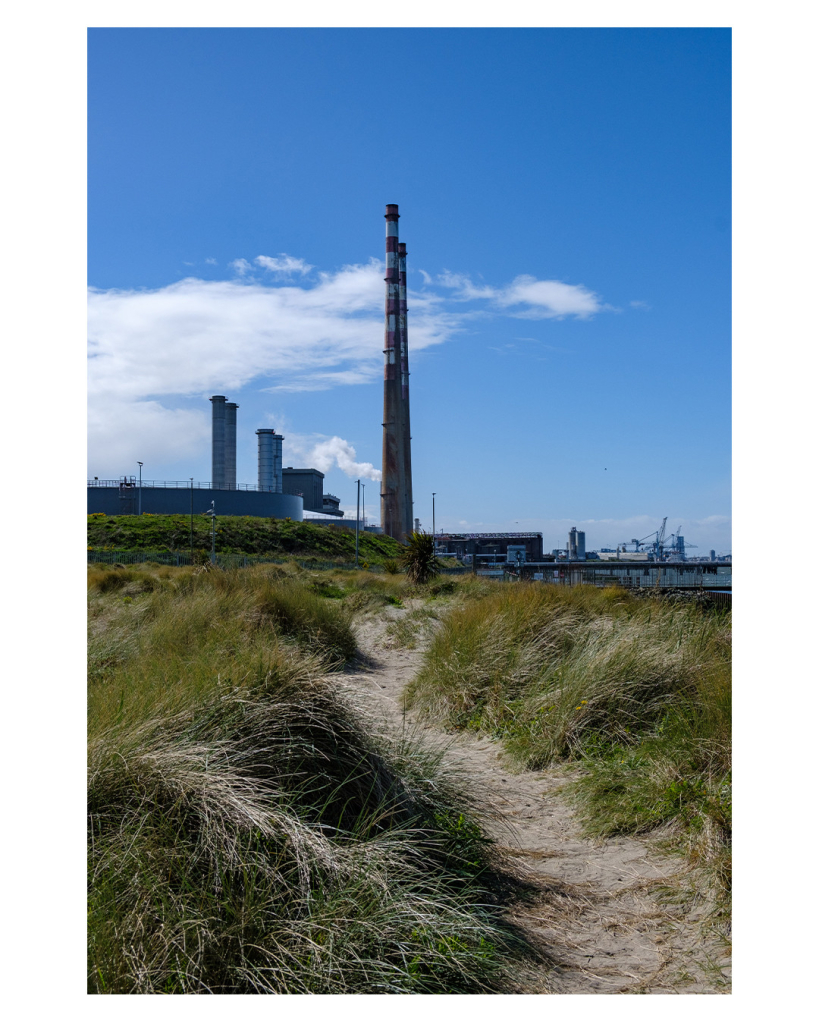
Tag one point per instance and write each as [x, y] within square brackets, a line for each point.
[467, 546]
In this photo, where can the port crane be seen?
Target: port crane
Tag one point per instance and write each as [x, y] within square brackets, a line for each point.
[674, 543]
[659, 540]
[658, 536]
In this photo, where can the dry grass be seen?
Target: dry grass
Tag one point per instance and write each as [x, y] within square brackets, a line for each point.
[249, 829]
[638, 691]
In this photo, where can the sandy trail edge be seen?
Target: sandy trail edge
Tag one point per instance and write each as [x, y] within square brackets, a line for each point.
[597, 920]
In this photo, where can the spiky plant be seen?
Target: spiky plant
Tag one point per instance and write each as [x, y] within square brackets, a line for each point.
[418, 558]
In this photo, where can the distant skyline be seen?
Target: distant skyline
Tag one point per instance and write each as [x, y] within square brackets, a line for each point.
[565, 200]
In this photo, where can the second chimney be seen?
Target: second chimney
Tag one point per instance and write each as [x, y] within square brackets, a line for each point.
[270, 460]
[230, 445]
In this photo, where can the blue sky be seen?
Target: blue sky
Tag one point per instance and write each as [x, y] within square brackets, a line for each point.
[565, 200]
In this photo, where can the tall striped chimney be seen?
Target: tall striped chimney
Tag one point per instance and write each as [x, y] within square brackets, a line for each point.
[217, 475]
[230, 445]
[391, 447]
[405, 456]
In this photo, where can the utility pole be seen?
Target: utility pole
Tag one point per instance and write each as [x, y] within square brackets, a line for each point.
[191, 537]
[433, 519]
[139, 506]
[212, 513]
[357, 515]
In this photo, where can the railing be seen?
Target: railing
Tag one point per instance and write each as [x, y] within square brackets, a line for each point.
[667, 580]
[204, 485]
[224, 561]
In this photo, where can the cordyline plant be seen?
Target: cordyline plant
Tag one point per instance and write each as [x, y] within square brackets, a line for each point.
[418, 558]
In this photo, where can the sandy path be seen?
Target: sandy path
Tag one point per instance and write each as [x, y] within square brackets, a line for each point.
[596, 919]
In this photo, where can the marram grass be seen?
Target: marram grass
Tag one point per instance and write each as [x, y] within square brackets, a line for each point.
[249, 829]
[637, 692]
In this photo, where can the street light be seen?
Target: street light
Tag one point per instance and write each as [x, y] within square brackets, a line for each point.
[433, 518]
[212, 513]
[191, 538]
[140, 488]
[357, 515]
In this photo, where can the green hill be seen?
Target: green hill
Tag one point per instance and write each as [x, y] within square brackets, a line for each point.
[247, 535]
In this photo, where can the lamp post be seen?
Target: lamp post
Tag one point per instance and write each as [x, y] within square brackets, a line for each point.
[433, 519]
[139, 506]
[191, 537]
[357, 515]
[212, 513]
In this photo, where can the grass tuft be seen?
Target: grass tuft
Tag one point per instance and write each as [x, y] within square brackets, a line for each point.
[638, 691]
[249, 828]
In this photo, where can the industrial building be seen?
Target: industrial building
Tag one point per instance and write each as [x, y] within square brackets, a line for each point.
[309, 484]
[125, 497]
[577, 544]
[468, 546]
[279, 493]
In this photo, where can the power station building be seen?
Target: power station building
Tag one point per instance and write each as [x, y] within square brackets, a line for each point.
[309, 484]
[278, 494]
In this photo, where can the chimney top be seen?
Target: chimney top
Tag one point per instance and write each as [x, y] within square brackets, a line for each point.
[392, 211]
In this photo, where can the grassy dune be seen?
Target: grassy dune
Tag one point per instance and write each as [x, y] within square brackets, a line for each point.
[249, 829]
[636, 691]
[247, 535]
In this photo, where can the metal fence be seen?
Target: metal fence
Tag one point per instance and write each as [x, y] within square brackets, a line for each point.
[224, 561]
[132, 483]
[654, 577]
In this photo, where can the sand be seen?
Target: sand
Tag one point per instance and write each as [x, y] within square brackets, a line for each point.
[598, 919]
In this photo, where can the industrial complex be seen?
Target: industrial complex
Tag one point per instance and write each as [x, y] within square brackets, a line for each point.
[288, 492]
[280, 492]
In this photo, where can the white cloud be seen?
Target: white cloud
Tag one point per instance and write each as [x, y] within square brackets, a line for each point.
[120, 433]
[549, 298]
[149, 349]
[337, 451]
[211, 260]
[540, 299]
[465, 290]
[283, 264]
[323, 453]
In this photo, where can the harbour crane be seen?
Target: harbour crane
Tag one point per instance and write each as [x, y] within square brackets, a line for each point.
[637, 543]
[660, 538]
[675, 545]
[657, 545]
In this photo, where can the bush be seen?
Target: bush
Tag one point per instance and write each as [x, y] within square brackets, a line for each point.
[418, 558]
